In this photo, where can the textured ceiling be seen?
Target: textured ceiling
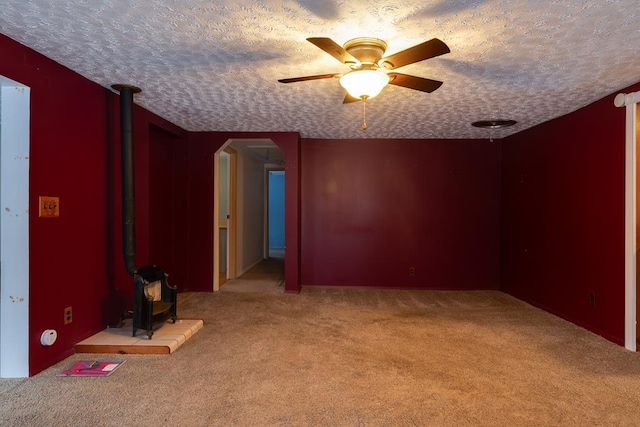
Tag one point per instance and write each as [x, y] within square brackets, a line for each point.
[214, 65]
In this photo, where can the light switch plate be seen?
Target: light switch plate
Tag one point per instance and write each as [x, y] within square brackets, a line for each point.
[49, 207]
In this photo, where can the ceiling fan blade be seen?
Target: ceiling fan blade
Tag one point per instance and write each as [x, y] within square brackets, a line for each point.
[413, 82]
[348, 99]
[333, 49]
[420, 52]
[302, 79]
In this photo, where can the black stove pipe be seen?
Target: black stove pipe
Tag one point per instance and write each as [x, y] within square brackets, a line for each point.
[128, 176]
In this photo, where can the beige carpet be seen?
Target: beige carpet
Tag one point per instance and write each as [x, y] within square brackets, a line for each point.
[350, 357]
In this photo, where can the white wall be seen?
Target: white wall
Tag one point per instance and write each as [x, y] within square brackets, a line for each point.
[224, 186]
[223, 203]
[250, 231]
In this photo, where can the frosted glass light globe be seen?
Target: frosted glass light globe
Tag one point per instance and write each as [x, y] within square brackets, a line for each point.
[364, 83]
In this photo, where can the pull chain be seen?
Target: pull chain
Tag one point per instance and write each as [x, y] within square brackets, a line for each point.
[364, 112]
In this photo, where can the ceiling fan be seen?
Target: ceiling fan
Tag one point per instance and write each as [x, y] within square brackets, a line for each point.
[364, 56]
[367, 78]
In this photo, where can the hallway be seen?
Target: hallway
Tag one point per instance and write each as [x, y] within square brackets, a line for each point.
[265, 277]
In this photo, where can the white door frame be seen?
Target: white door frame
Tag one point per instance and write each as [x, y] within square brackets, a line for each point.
[14, 229]
[630, 101]
[231, 222]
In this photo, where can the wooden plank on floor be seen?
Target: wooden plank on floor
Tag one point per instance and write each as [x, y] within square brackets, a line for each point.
[121, 349]
[167, 337]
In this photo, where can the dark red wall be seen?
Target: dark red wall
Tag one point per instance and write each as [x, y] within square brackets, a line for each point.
[161, 198]
[67, 255]
[563, 217]
[371, 209]
[202, 147]
[75, 260]
[168, 204]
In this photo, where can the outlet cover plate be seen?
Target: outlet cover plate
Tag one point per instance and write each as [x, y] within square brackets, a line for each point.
[48, 207]
[68, 315]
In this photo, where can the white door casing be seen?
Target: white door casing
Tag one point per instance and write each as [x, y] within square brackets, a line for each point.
[14, 229]
[629, 101]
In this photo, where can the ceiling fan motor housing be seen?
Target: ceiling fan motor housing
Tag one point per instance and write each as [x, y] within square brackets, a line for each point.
[367, 50]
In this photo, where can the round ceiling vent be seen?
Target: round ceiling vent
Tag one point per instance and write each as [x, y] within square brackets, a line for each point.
[494, 124]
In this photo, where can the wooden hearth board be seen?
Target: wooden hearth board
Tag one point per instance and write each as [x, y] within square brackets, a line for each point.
[167, 337]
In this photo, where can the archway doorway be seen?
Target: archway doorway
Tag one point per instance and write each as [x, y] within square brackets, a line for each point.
[240, 205]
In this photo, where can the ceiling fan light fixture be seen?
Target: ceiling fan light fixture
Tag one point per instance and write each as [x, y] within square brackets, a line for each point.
[364, 83]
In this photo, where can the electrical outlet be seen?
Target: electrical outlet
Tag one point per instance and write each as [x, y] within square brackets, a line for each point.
[68, 315]
[592, 298]
[412, 271]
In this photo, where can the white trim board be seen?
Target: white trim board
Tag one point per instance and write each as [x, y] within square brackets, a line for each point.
[630, 101]
[14, 229]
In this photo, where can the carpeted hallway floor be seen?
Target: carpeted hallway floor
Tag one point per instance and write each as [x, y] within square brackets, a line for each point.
[350, 357]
